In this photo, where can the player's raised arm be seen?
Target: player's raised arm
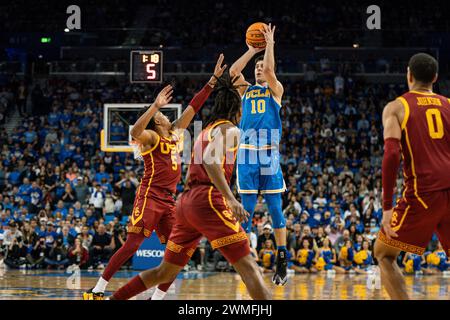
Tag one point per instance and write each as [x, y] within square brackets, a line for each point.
[239, 65]
[391, 160]
[138, 132]
[199, 99]
[269, 63]
[216, 151]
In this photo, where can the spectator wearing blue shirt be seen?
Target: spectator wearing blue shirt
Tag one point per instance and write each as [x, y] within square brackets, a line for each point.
[6, 203]
[60, 211]
[101, 174]
[54, 117]
[25, 190]
[50, 235]
[78, 211]
[36, 198]
[117, 131]
[66, 116]
[78, 157]
[65, 153]
[90, 217]
[67, 238]
[30, 135]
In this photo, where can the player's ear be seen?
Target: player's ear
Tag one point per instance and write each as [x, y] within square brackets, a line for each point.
[409, 76]
[435, 78]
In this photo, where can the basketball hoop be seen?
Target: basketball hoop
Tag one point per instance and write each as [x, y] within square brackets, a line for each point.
[137, 150]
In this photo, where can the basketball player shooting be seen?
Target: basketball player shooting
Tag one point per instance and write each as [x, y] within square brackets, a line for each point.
[258, 168]
[416, 126]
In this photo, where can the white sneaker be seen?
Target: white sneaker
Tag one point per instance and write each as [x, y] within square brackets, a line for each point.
[446, 274]
[199, 267]
[100, 266]
[370, 284]
[90, 269]
[330, 274]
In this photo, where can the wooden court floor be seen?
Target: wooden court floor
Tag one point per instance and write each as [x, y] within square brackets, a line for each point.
[43, 285]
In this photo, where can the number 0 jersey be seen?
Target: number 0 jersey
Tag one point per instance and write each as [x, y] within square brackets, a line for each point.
[425, 144]
[260, 122]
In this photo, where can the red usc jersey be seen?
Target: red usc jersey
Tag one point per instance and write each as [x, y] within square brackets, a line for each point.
[197, 172]
[425, 144]
[162, 165]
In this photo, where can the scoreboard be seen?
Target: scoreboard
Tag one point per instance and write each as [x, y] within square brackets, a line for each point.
[146, 66]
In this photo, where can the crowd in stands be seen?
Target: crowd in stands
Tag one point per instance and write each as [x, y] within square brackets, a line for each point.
[63, 201]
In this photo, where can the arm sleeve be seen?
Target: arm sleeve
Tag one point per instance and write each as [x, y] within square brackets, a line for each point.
[390, 166]
[199, 99]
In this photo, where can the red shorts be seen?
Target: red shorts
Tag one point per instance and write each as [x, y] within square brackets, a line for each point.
[416, 224]
[201, 211]
[154, 212]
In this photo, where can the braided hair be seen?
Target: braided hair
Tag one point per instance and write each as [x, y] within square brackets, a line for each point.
[227, 103]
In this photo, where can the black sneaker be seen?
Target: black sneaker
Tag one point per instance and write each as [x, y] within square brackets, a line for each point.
[280, 276]
[89, 295]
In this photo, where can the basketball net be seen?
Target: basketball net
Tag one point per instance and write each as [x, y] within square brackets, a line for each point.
[137, 150]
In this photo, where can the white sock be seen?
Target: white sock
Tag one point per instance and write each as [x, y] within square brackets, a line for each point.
[100, 286]
[158, 294]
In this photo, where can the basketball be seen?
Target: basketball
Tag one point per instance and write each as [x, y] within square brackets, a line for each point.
[254, 36]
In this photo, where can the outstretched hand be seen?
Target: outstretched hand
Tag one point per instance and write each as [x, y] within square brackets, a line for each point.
[164, 97]
[218, 70]
[268, 32]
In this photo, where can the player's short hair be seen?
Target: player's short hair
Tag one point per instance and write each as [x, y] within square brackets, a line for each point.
[261, 58]
[227, 103]
[423, 67]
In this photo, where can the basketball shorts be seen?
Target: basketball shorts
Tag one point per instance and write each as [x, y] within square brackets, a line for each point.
[201, 211]
[154, 212]
[259, 170]
[416, 224]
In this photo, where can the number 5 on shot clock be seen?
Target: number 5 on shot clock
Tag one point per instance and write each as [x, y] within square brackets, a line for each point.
[146, 66]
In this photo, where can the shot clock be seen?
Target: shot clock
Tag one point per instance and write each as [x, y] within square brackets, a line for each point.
[146, 66]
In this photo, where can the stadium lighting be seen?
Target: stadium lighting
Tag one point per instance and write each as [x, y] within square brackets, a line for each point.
[66, 30]
[356, 45]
